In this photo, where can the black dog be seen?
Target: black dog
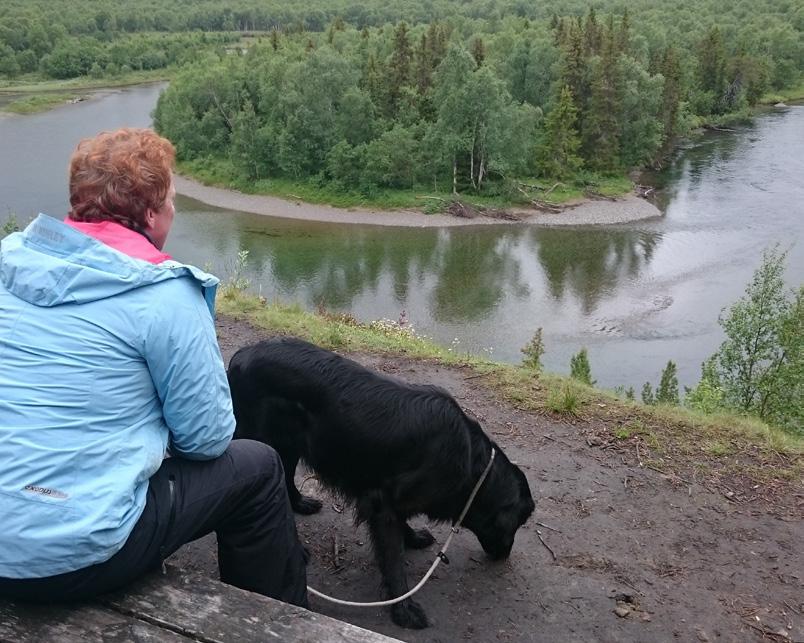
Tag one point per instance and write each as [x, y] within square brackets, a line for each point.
[396, 450]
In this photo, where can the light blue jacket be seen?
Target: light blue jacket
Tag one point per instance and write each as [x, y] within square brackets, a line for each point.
[105, 361]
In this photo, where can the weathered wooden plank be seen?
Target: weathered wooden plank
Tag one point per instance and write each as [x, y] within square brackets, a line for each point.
[20, 623]
[213, 612]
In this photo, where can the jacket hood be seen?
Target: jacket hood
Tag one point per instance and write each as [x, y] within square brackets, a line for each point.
[51, 263]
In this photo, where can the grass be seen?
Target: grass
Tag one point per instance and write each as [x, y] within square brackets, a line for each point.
[796, 92]
[564, 398]
[37, 103]
[35, 83]
[690, 436]
[220, 172]
[334, 331]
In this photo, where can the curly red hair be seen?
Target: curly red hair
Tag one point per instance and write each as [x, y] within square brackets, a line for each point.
[119, 175]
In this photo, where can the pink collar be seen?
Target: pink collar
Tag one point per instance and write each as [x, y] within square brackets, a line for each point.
[120, 238]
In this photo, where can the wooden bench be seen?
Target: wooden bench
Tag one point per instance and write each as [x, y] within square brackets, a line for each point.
[176, 607]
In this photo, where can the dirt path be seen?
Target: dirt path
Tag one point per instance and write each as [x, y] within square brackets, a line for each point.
[623, 210]
[686, 564]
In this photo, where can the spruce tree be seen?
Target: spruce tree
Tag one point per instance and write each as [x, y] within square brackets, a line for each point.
[573, 68]
[533, 351]
[624, 33]
[373, 81]
[712, 68]
[667, 393]
[671, 95]
[399, 72]
[424, 68]
[437, 42]
[647, 394]
[478, 51]
[558, 153]
[601, 127]
[591, 34]
[580, 369]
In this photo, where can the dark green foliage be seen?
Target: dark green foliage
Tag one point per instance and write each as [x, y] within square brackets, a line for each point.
[647, 394]
[335, 72]
[667, 393]
[580, 369]
[712, 72]
[558, 155]
[671, 95]
[759, 369]
[533, 351]
[601, 130]
[478, 51]
[11, 225]
[400, 69]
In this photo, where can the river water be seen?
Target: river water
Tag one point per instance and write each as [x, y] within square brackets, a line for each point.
[636, 295]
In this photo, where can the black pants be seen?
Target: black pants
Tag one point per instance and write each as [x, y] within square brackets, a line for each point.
[241, 496]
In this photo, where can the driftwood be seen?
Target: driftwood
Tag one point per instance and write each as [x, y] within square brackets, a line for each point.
[718, 128]
[645, 191]
[457, 208]
[541, 204]
[545, 190]
[589, 193]
[547, 206]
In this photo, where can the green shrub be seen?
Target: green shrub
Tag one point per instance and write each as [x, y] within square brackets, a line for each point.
[533, 351]
[580, 369]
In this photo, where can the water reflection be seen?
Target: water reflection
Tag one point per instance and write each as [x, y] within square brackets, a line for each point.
[478, 269]
[591, 263]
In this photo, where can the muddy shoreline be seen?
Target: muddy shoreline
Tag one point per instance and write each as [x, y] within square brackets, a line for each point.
[592, 212]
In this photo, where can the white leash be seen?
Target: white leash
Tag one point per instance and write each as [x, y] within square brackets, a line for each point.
[441, 555]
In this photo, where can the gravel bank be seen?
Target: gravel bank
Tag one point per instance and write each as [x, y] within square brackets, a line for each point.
[628, 208]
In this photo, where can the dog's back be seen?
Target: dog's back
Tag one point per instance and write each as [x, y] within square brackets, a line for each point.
[356, 428]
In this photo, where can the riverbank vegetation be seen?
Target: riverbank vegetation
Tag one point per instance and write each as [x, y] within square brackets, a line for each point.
[759, 368]
[754, 382]
[509, 109]
[223, 173]
[710, 434]
[38, 103]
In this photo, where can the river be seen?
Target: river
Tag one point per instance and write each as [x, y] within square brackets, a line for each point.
[636, 295]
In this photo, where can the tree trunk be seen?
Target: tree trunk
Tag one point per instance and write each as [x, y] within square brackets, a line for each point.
[454, 175]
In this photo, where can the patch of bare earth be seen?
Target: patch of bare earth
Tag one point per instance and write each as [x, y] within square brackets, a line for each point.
[628, 542]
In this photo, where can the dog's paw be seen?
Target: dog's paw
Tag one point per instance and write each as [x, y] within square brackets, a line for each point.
[409, 614]
[418, 538]
[306, 505]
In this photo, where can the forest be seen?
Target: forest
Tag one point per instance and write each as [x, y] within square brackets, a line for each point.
[480, 96]
[443, 106]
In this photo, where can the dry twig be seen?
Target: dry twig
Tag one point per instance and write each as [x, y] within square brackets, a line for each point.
[552, 553]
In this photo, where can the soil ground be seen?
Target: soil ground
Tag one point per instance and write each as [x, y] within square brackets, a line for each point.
[615, 551]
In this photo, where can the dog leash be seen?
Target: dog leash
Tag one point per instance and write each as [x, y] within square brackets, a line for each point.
[441, 555]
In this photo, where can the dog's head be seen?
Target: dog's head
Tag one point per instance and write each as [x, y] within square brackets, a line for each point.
[501, 508]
